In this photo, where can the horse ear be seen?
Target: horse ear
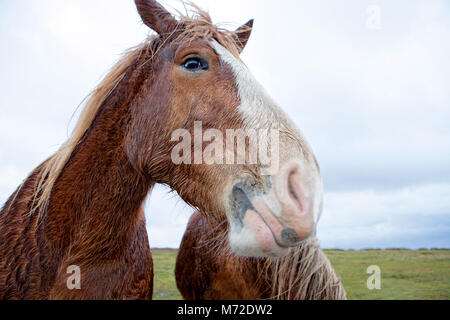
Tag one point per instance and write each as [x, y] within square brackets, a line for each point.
[243, 34]
[156, 17]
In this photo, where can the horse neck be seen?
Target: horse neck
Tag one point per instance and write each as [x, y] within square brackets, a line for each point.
[96, 199]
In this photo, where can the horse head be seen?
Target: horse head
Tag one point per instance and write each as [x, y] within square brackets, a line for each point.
[203, 125]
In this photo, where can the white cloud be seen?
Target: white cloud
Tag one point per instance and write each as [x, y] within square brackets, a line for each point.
[10, 178]
[167, 217]
[399, 218]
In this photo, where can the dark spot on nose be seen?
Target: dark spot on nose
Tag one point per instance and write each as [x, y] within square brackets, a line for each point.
[241, 202]
[290, 236]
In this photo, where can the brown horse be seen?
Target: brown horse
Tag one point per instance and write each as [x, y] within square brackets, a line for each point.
[207, 269]
[81, 207]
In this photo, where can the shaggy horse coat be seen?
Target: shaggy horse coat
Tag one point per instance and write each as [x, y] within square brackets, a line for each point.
[206, 269]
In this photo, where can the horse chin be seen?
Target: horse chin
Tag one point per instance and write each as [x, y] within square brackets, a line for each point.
[255, 239]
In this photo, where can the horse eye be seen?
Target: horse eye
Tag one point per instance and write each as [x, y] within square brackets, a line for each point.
[195, 64]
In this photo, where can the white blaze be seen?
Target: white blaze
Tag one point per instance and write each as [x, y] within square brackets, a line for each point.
[258, 108]
[260, 111]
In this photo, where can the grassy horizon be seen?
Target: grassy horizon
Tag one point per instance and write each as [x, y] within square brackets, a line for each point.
[405, 274]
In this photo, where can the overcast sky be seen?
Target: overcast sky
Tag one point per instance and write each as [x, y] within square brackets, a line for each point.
[373, 102]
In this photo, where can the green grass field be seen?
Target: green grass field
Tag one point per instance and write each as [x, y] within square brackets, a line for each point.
[405, 274]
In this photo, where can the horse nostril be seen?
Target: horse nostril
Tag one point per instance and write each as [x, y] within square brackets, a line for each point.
[290, 236]
[241, 198]
[294, 188]
[241, 202]
[291, 190]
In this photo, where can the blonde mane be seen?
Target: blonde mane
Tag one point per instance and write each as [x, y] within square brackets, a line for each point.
[194, 24]
[305, 274]
[55, 164]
